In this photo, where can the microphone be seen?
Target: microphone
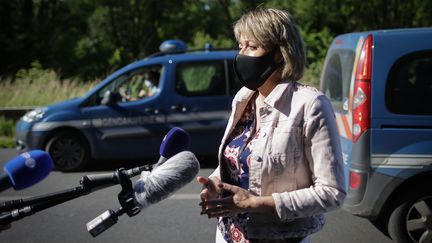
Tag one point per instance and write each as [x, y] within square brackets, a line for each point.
[175, 141]
[25, 170]
[151, 188]
[166, 179]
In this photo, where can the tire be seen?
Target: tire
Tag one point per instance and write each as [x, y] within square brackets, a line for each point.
[68, 150]
[411, 220]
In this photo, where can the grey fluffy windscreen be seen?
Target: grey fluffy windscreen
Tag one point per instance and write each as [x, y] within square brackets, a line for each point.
[166, 179]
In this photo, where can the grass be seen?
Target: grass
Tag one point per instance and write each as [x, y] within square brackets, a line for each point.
[38, 87]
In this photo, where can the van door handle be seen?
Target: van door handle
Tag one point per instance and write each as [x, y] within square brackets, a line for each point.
[181, 108]
[151, 109]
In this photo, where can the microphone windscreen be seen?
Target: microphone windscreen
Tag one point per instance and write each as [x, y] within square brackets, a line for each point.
[166, 179]
[28, 168]
[174, 142]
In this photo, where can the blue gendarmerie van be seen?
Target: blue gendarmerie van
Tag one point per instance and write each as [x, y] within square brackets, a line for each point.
[126, 115]
[380, 85]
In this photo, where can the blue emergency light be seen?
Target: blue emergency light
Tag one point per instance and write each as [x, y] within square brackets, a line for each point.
[170, 46]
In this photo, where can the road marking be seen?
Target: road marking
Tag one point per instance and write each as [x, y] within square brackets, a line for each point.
[185, 196]
[7, 198]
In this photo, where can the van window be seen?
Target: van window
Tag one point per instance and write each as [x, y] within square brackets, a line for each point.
[409, 85]
[135, 84]
[337, 77]
[201, 78]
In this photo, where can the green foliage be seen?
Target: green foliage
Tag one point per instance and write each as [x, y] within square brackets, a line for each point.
[7, 127]
[200, 39]
[7, 142]
[317, 44]
[7, 133]
[312, 76]
[197, 77]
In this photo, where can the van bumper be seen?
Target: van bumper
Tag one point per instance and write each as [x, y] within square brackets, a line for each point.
[29, 140]
[368, 200]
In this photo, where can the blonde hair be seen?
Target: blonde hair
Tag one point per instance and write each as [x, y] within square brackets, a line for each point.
[274, 28]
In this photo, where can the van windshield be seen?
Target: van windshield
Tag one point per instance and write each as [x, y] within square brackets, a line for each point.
[336, 78]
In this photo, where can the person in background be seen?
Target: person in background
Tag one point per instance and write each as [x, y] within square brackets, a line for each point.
[280, 160]
[151, 84]
[141, 86]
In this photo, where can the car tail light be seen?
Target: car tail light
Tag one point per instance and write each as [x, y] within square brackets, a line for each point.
[354, 180]
[362, 90]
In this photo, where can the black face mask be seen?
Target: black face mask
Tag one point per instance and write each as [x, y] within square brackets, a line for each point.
[254, 71]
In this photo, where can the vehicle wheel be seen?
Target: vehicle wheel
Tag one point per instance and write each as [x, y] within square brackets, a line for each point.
[411, 221]
[68, 150]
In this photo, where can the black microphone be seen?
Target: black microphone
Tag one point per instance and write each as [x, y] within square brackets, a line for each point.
[153, 187]
[175, 141]
[25, 170]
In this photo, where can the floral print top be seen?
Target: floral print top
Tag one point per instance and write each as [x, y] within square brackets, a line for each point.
[236, 157]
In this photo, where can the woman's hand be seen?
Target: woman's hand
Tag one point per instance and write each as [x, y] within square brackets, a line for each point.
[241, 201]
[211, 190]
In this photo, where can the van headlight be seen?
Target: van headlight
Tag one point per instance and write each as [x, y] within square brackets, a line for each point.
[34, 115]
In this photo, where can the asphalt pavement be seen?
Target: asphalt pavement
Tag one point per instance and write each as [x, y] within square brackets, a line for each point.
[175, 219]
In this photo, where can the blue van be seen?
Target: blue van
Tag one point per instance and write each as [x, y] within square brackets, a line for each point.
[380, 85]
[127, 114]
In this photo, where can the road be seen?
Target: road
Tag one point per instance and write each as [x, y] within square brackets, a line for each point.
[175, 219]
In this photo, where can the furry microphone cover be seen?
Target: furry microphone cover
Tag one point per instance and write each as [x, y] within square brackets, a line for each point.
[166, 179]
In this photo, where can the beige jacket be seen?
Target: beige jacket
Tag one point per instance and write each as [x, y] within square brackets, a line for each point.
[298, 160]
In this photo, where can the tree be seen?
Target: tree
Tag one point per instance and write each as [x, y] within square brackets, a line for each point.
[90, 38]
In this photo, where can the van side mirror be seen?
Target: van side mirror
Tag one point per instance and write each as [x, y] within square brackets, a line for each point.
[109, 98]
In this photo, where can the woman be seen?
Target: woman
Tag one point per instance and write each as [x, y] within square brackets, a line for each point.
[280, 161]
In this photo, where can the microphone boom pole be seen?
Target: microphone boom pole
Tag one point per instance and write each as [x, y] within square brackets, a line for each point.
[110, 217]
[25, 207]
